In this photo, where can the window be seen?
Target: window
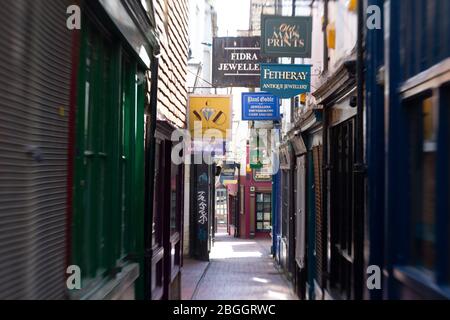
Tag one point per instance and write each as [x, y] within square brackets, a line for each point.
[128, 92]
[175, 199]
[445, 118]
[93, 175]
[424, 149]
[157, 219]
[343, 261]
[263, 212]
[286, 186]
[107, 191]
[426, 250]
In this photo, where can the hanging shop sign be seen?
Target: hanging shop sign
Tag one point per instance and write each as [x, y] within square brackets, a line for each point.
[209, 114]
[286, 36]
[260, 146]
[261, 175]
[236, 62]
[298, 144]
[260, 106]
[286, 80]
[286, 156]
[227, 175]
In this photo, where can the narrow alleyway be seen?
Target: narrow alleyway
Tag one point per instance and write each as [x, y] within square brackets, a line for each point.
[242, 270]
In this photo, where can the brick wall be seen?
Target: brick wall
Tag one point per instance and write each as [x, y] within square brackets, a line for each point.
[172, 25]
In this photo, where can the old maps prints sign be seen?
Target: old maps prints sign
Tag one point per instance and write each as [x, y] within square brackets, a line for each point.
[236, 62]
[286, 36]
[286, 80]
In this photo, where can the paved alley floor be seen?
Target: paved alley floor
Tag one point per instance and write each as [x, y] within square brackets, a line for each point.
[242, 270]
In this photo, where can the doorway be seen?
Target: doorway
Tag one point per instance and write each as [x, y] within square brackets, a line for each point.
[221, 219]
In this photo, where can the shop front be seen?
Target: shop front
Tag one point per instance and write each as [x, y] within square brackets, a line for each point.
[107, 157]
[344, 224]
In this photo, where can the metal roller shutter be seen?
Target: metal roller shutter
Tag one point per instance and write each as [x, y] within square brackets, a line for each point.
[35, 72]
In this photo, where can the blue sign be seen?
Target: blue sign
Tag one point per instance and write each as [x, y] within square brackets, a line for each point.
[286, 80]
[260, 106]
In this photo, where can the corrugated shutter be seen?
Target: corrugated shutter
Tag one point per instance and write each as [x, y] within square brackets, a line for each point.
[35, 71]
[300, 219]
[320, 250]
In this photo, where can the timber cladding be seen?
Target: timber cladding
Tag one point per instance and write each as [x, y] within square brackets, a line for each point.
[172, 25]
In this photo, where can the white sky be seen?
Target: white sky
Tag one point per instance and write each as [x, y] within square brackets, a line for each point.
[232, 15]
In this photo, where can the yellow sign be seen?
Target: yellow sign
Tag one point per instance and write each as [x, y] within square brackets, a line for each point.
[209, 113]
[230, 182]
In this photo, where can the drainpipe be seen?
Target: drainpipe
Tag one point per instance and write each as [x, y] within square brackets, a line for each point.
[326, 166]
[237, 232]
[293, 62]
[325, 37]
[150, 180]
[360, 166]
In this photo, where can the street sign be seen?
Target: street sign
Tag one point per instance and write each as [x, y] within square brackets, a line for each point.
[236, 62]
[286, 36]
[286, 80]
[260, 106]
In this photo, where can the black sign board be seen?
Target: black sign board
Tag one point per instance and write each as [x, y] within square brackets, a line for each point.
[236, 62]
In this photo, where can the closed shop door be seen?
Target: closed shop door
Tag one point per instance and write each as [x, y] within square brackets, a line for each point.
[35, 81]
[300, 231]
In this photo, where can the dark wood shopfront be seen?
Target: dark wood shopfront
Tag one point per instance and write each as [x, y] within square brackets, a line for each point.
[167, 219]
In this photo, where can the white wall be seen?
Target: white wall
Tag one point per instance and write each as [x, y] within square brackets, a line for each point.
[200, 42]
[346, 33]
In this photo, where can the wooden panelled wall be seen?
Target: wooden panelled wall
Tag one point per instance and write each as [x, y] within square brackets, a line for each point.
[172, 24]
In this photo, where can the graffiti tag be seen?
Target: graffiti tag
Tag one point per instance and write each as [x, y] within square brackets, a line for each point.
[201, 198]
